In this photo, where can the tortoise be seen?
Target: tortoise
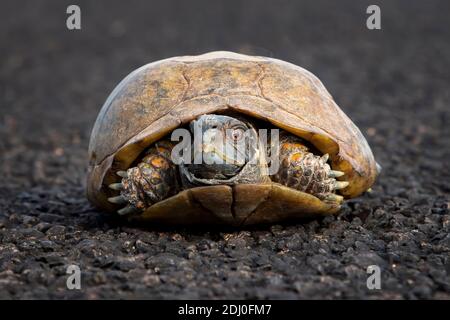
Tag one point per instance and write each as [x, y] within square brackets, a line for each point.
[321, 157]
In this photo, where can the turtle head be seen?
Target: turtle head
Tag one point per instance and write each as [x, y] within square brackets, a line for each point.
[222, 146]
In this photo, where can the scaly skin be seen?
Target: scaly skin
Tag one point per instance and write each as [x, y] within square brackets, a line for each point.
[154, 179]
[302, 170]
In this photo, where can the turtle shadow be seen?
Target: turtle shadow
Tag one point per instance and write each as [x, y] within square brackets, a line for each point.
[201, 228]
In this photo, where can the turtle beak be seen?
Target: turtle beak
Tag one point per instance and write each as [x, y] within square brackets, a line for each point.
[214, 152]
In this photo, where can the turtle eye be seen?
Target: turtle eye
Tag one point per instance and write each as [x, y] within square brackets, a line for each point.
[237, 134]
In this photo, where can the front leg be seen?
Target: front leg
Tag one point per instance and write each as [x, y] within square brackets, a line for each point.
[302, 170]
[155, 178]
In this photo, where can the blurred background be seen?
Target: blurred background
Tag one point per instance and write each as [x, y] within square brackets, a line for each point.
[393, 83]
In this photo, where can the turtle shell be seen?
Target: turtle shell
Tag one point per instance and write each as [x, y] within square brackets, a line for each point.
[161, 96]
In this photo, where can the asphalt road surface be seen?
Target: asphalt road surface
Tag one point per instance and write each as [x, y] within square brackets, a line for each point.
[393, 83]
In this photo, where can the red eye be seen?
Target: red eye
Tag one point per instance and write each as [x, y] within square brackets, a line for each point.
[237, 134]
